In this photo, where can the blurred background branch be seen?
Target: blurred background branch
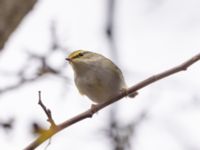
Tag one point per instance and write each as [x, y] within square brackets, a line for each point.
[117, 135]
[43, 68]
[121, 134]
[7, 125]
[11, 14]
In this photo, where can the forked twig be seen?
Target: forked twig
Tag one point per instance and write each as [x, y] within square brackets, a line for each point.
[46, 110]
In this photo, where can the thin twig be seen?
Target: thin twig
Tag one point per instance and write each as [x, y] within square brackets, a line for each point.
[46, 110]
[89, 113]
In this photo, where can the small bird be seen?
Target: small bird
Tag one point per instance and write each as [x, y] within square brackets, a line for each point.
[96, 76]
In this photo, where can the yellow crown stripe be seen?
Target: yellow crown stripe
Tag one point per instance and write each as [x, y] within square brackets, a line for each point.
[76, 54]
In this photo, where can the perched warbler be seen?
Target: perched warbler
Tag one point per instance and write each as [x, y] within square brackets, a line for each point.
[96, 76]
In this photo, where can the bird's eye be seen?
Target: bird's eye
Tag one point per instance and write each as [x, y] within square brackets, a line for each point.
[80, 54]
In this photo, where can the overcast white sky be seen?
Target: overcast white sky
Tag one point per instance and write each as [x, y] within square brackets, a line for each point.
[150, 36]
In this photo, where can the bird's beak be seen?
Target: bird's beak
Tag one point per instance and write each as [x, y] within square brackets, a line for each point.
[68, 59]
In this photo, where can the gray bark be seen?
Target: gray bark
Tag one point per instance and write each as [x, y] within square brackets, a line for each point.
[11, 14]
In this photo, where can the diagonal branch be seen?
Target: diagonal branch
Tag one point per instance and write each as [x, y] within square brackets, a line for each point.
[90, 112]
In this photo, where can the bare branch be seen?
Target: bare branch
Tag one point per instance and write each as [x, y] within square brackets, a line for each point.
[46, 110]
[90, 112]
